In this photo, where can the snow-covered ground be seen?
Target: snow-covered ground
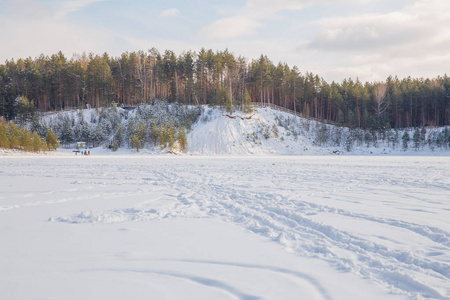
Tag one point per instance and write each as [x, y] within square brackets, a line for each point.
[224, 227]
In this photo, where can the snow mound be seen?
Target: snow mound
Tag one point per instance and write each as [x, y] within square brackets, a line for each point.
[245, 134]
[267, 131]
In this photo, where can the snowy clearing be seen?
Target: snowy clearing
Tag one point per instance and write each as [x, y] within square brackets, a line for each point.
[253, 227]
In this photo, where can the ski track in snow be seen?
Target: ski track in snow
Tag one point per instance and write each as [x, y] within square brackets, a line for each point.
[272, 204]
[280, 198]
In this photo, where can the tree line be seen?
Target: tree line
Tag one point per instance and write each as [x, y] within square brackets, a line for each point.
[217, 78]
[22, 138]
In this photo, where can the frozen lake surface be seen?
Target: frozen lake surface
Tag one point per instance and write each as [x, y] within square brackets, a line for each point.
[272, 227]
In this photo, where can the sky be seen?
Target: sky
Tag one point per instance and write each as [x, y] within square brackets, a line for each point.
[336, 39]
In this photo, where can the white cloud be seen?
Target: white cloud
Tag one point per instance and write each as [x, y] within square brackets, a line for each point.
[260, 9]
[232, 27]
[411, 41]
[169, 12]
[369, 32]
[29, 35]
[249, 18]
[68, 7]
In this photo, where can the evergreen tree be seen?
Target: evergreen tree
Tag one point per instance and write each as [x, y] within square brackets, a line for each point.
[182, 138]
[423, 138]
[395, 139]
[229, 102]
[368, 138]
[247, 102]
[13, 136]
[322, 136]
[163, 136]
[171, 136]
[221, 97]
[66, 135]
[337, 135]
[98, 136]
[405, 139]
[25, 139]
[4, 141]
[52, 140]
[118, 137]
[86, 134]
[115, 145]
[135, 142]
[141, 132]
[36, 142]
[416, 138]
[25, 110]
[349, 142]
[154, 134]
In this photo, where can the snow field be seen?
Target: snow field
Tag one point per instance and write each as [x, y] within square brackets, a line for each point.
[270, 227]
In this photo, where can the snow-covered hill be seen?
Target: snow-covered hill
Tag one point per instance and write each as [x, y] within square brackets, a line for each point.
[265, 131]
[239, 134]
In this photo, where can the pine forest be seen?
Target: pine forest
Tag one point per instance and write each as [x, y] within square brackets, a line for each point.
[49, 83]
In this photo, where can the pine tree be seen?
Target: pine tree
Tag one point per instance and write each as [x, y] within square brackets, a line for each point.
[115, 145]
[395, 139]
[67, 136]
[163, 138]
[13, 136]
[416, 138]
[182, 138]
[188, 124]
[368, 138]
[405, 139]
[86, 134]
[130, 131]
[423, 137]
[98, 136]
[25, 139]
[322, 135]
[141, 133]
[349, 142]
[43, 146]
[229, 102]
[171, 136]
[154, 134]
[52, 140]
[4, 141]
[36, 142]
[118, 137]
[135, 142]
[247, 102]
[24, 109]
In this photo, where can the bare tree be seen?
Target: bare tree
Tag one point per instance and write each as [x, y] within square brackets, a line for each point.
[381, 101]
